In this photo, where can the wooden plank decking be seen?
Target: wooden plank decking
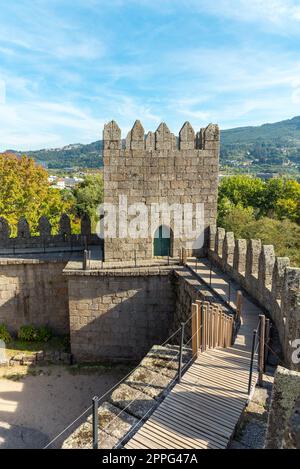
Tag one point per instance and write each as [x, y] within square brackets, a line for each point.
[203, 410]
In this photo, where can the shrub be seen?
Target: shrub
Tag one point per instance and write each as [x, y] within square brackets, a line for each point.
[44, 334]
[4, 334]
[28, 333]
[34, 334]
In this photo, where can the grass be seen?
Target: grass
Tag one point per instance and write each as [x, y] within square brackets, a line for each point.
[19, 372]
[99, 367]
[18, 346]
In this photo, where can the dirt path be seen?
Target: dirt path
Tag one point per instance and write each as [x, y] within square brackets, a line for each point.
[36, 408]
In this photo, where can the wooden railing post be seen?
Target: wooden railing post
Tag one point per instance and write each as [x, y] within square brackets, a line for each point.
[184, 256]
[204, 326]
[199, 310]
[195, 330]
[239, 304]
[261, 359]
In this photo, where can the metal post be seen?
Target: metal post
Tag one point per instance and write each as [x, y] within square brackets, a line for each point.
[180, 353]
[85, 259]
[95, 422]
[251, 362]
[135, 258]
[261, 359]
[267, 339]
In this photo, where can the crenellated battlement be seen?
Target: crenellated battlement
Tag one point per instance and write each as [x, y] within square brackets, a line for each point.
[267, 278]
[63, 239]
[162, 138]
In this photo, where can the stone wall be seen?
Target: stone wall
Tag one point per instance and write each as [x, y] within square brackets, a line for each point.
[119, 314]
[284, 419]
[268, 279]
[65, 240]
[34, 291]
[155, 170]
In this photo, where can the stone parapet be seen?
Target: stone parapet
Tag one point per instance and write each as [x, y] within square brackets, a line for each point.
[65, 240]
[283, 431]
[267, 278]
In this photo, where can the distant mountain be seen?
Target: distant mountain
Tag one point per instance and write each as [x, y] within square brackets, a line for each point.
[268, 144]
[285, 131]
[69, 156]
[271, 144]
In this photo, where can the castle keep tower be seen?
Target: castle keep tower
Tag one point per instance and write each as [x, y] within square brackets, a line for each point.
[159, 169]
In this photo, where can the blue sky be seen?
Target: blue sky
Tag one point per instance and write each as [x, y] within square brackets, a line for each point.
[69, 66]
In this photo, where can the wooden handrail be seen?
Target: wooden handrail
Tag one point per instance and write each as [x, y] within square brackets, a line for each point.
[211, 327]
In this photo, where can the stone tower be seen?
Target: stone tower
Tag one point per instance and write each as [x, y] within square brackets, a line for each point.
[159, 169]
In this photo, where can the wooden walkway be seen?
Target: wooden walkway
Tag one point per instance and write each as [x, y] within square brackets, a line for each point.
[203, 410]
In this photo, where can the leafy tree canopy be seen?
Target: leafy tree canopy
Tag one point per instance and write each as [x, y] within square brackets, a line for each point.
[25, 191]
[277, 198]
[88, 196]
[267, 210]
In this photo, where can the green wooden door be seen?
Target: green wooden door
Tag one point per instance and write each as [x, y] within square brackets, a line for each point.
[161, 243]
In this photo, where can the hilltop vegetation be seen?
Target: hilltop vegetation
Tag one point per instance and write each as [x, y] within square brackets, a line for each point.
[269, 147]
[77, 155]
[267, 210]
[25, 191]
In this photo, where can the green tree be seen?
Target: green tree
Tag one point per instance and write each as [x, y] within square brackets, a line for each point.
[275, 198]
[235, 218]
[284, 235]
[25, 191]
[242, 190]
[88, 196]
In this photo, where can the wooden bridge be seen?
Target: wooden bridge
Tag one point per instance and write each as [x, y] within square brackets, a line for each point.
[202, 411]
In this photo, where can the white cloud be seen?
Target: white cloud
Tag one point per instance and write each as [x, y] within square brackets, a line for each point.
[33, 125]
[276, 12]
[280, 15]
[39, 124]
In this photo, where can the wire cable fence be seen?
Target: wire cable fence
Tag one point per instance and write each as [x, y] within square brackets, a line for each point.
[151, 383]
[188, 345]
[152, 409]
[192, 344]
[112, 388]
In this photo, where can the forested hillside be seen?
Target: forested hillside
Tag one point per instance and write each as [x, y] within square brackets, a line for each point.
[269, 146]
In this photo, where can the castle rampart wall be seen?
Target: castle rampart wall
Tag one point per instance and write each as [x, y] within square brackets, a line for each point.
[119, 314]
[268, 279]
[64, 240]
[34, 291]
